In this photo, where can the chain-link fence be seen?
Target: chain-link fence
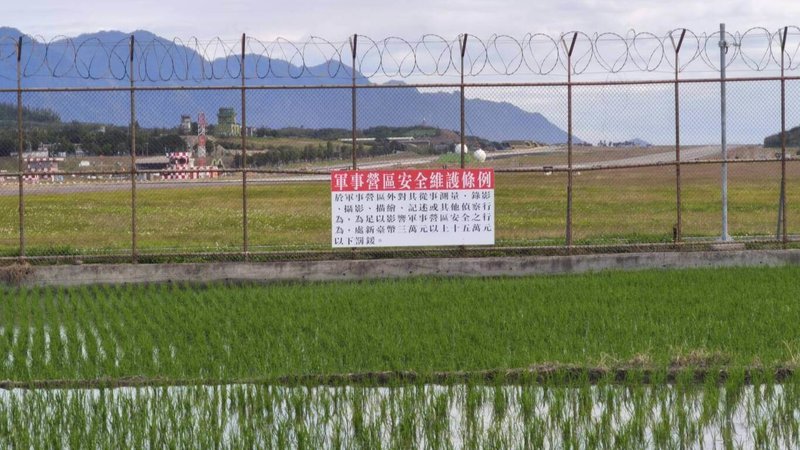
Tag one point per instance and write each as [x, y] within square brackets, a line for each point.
[140, 148]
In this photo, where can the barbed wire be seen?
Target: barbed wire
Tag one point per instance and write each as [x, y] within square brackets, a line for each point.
[161, 60]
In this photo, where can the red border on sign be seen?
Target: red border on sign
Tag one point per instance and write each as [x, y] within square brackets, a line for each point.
[411, 180]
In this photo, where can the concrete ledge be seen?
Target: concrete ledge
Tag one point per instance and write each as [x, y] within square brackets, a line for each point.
[73, 275]
[726, 246]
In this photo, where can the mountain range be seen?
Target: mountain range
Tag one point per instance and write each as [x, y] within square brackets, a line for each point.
[101, 64]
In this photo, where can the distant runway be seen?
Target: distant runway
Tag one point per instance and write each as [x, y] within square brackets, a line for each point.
[11, 188]
[687, 154]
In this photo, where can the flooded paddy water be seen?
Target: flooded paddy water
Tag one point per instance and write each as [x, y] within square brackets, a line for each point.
[733, 415]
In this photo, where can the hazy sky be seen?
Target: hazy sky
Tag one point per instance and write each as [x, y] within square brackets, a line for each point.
[606, 113]
[406, 18]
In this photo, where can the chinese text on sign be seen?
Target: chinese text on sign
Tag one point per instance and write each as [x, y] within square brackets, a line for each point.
[399, 208]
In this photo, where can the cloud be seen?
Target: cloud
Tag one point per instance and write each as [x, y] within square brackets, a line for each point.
[410, 18]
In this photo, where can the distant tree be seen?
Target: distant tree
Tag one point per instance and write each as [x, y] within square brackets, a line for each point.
[8, 114]
[160, 144]
[8, 145]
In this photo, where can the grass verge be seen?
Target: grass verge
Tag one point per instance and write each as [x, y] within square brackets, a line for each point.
[611, 207]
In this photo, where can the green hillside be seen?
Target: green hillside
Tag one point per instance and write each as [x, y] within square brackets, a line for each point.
[8, 115]
[792, 138]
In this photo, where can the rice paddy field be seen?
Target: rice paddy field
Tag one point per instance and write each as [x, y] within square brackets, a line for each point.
[528, 416]
[702, 358]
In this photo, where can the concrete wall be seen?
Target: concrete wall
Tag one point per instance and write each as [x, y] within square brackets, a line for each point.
[72, 275]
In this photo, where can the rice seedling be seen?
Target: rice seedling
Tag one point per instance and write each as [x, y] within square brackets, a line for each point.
[255, 358]
[646, 323]
[422, 416]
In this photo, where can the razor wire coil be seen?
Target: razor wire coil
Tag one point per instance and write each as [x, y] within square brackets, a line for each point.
[160, 60]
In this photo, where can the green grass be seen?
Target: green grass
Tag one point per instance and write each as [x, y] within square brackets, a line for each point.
[197, 219]
[455, 158]
[738, 317]
[618, 206]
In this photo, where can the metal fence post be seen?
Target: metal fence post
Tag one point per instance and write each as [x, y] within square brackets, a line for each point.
[569, 48]
[782, 202]
[353, 49]
[245, 244]
[678, 206]
[723, 49]
[20, 146]
[134, 252]
[463, 42]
